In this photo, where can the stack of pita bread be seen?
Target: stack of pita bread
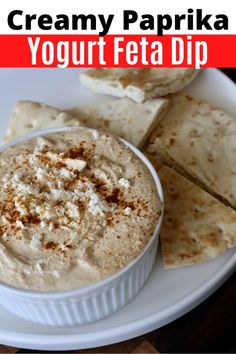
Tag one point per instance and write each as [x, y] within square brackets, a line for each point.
[191, 143]
[137, 84]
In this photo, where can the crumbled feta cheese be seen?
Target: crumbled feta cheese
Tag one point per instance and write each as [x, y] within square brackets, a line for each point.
[51, 227]
[24, 188]
[4, 220]
[66, 173]
[94, 198]
[66, 228]
[21, 208]
[73, 164]
[57, 194]
[74, 224]
[127, 211]
[79, 193]
[59, 184]
[21, 187]
[53, 156]
[72, 210]
[20, 224]
[124, 182]
[38, 266]
[17, 177]
[73, 234]
[63, 247]
[78, 165]
[34, 159]
[38, 209]
[42, 144]
[47, 215]
[36, 242]
[3, 163]
[96, 205]
[95, 133]
[43, 224]
[41, 174]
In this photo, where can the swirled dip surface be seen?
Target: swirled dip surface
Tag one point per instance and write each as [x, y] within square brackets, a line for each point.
[75, 208]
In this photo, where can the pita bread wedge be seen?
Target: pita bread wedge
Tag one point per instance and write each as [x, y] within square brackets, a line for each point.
[130, 120]
[199, 141]
[196, 226]
[30, 116]
[125, 118]
[137, 84]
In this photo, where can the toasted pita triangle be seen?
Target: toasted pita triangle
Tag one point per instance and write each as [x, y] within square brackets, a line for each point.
[196, 226]
[30, 116]
[199, 141]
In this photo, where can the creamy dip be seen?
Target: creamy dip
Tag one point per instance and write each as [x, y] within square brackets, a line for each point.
[76, 207]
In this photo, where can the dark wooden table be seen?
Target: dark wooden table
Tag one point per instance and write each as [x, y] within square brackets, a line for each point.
[209, 328]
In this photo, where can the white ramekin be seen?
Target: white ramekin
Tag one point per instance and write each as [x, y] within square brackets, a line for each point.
[93, 302]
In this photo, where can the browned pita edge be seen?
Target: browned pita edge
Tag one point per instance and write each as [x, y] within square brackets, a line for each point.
[196, 226]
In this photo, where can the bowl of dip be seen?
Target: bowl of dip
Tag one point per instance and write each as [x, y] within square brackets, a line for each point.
[81, 212]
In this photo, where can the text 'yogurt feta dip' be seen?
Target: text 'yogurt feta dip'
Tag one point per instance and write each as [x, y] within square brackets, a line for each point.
[75, 208]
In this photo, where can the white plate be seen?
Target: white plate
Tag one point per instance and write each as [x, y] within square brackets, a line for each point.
[168, 294]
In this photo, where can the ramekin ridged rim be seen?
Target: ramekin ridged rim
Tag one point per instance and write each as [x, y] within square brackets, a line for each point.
[86, 290]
